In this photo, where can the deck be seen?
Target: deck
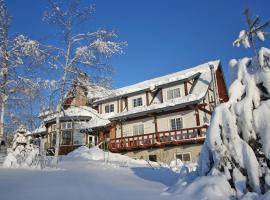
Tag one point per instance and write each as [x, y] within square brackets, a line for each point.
[159, 139]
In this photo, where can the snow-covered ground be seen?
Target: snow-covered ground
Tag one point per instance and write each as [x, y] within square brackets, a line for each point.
[83, 174]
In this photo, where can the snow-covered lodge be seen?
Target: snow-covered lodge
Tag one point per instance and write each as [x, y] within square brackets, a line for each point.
[159, 119]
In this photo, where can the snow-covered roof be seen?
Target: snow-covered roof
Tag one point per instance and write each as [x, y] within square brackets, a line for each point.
[40, 130]
[155, 83]
[198, 93]
[73, 112]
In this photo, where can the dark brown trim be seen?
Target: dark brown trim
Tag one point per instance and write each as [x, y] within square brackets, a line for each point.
[121, 105]
[121, 127]
[159, 139]
[161, 95]
[161, 113]
[205, 110]
[126, 102]
[147, 98]
[197, 114]
[155, 121]
[186, 88]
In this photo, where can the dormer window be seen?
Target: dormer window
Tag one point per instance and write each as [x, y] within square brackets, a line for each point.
[137, 102]
[173, 93]
[109, 108]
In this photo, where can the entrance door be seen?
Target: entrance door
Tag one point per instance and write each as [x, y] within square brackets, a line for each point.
[92, 140]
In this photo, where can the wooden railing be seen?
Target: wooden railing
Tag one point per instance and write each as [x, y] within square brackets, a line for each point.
[174, 137]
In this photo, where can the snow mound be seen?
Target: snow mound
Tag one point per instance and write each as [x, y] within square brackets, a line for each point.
[97, 154]
[206, 187]
[84, 152]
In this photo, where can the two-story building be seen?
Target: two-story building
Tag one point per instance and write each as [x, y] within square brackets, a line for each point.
[159, 119]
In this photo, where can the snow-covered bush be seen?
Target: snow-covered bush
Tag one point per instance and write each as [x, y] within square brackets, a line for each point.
[238, 140]
[23, 152]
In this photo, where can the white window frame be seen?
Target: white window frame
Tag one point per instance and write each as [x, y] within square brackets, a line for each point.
[136, 102]
[66, 125]
[138, 129]
[109, 108]
[182, 154]
[175, 93]
[175, 118]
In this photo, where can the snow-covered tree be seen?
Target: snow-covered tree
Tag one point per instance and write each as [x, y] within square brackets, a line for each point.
[78, 52]
[248, 37]
[19, 58]
[23, 152]
[238, 140]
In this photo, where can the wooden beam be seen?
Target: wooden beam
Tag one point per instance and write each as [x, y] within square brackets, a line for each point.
[186, 88]
[147, 98]
[121, 127]
[155, 121]
[197, 114]
[161, 96]
[126, 102]
[205, 110]
[121, 105]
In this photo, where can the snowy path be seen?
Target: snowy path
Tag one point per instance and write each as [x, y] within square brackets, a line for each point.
[85, 179]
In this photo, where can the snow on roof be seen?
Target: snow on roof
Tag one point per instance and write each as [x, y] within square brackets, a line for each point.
[160, 81]
[198, 92]
[97, 92]
[95, 119]
[40, 130]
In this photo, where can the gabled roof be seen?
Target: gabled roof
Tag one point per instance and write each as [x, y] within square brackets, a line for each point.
[197, 94]
[153, 84]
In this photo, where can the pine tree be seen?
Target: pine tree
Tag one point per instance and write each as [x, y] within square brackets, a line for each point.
[238, 139]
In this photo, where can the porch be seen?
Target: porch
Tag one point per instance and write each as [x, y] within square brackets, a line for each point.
[159, 139]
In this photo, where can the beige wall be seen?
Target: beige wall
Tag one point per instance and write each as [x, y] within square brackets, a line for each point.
[149, 126]
[130, 100]
[189, 121]
[105, 104]
[167, 154]
[165, 89]
[188, 117]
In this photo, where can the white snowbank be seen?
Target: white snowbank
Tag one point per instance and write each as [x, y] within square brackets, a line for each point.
[205, 187]
[98, 154]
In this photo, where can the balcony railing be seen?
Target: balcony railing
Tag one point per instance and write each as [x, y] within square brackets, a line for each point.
[158, 139]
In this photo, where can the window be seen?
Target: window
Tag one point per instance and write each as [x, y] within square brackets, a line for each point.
[137, 102]
[109, 108]
[53, 139]
[153, 158]
[66, 137]
[185, 157]
[138, 129]
[174, 93]
[78, 137]
[176, 123]
[66, 125]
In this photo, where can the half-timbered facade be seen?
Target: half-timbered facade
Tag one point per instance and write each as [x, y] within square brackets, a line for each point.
[166, 117]
[160, 119]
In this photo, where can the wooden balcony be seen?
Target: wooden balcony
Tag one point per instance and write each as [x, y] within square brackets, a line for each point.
[159, 139]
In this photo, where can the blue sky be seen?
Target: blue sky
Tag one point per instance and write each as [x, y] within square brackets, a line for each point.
[163, 36]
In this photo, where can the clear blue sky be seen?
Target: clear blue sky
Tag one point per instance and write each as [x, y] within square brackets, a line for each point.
[163, 36]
